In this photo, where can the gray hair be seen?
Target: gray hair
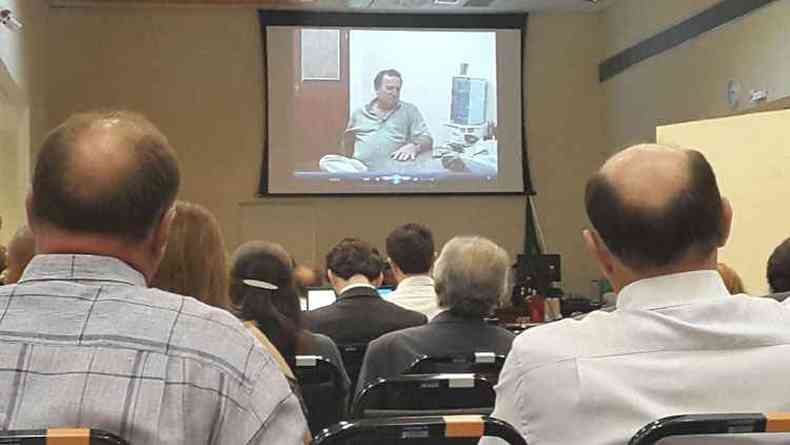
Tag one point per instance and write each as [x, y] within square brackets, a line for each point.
[471, 276]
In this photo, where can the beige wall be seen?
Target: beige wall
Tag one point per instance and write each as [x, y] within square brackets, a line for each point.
[689, 82]
[197, 73]
[737, 147]
[566, 131]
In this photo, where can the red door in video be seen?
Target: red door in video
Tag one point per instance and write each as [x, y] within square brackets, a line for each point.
[321, 94]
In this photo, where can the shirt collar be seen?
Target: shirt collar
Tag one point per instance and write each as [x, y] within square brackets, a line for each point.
[355, 285]
[672, 290]
[416, 281]
[72, 267]
[447, 316]
[369, 109]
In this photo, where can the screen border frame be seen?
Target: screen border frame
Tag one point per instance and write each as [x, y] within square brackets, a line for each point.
[330, 19]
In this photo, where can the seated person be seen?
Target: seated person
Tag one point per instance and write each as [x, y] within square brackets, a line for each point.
[732, 281]
[195, 258]
[359, 314]
[678, 343]
[275, 308]
[410, 249]
[90, 344]
[21, 249]
[263, 287]
[471, 279]
[195, 263]
[385, 129]
[778, 269]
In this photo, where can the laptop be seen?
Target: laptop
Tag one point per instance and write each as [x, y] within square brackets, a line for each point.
[318, 297]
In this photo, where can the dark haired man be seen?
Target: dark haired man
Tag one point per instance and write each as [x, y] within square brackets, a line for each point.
[359, 314]
[383, 130]
[778, 268]
[411, 250]
[86, 343]
[678, 342]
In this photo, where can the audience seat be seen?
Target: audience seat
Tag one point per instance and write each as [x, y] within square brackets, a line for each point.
[322, 388]
[429, 394]
[433, 430]
[353, 354]
[485, 364]
[718, 428]
[60, 436]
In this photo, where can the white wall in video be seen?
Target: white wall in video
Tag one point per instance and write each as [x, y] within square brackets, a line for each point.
[429, 62]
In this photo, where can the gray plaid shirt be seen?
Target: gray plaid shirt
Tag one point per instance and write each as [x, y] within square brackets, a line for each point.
[84, 343]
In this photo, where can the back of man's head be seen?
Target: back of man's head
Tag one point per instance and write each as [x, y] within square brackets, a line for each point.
[471, 276]
[352, 257]
[778, 270]
[411, 248]
[653, 206]
[109, 173]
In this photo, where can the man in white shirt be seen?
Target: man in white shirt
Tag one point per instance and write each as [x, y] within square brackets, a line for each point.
[678, 343]
[411, 251]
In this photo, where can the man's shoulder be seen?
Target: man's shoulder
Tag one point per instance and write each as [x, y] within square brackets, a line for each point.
[409, 108]
[418, 332]
[562, 340]
[204, 333]
[402, 311]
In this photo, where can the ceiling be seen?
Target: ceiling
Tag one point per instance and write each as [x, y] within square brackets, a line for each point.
[423, 6]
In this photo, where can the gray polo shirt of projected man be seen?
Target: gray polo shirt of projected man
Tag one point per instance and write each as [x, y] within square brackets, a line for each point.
[376, 137]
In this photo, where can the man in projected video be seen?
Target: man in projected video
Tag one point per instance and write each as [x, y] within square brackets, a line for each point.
[383, 131]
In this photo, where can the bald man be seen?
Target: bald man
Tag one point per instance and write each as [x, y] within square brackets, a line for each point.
[678, 343]
[21, 250]
[85, 342]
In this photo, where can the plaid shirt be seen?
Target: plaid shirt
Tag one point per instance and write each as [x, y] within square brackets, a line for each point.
[84, 343]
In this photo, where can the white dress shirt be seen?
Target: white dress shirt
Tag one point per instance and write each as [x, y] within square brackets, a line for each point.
[416, 293]
[677, 344]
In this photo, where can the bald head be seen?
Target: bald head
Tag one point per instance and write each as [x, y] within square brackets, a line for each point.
[648, 175]
[653, 205]
[107, 173]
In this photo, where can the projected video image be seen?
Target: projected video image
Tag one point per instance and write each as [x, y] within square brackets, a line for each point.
[421, 103]
[365, 109]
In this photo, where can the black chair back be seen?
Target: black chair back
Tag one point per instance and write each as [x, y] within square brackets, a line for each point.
[714, 424]
[429, 394]
[486, 364]
[60, 436]
[425, 430]
[353, 354]
[322, 388]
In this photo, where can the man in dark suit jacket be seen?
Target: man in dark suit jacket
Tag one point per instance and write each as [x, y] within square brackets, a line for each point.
[470, 277]
[359, 314]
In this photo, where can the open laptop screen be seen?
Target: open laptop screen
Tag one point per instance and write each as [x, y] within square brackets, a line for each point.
[318, 297]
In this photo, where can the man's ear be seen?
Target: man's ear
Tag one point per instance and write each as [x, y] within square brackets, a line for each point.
[377, 282]
[596, 247]
[330, 276]
[396, 272]
[726, 221]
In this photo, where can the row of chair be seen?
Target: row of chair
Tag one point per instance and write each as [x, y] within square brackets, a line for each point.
[452, 430]
[459, 384]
